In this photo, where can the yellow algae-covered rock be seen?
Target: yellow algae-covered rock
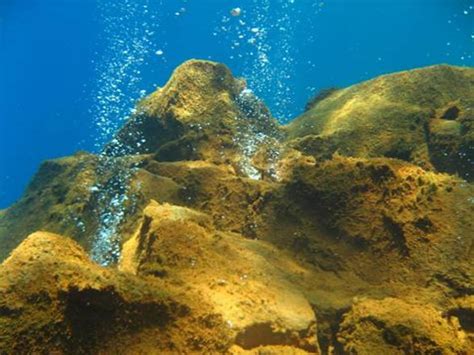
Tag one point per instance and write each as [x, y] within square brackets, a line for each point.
[424, 116]
[202, 113]
[392, 208]
[69, 196]
[58, 199]
[231, 200]
[254, 296]
[463, 309]
[53, 299]
[392, 326]
[268, 350]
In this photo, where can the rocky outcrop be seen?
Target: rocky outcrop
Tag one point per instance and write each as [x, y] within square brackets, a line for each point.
[386, 205]
[202, 113]
[424, 116]
[58, 199]
[55, 300]
[70, 196]
[253, 294]
[352, 234]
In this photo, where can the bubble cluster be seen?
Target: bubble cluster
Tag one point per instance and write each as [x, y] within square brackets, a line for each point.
[113, 200]
[262, 39]
[129, 29]
[457, 21]
[256, 135]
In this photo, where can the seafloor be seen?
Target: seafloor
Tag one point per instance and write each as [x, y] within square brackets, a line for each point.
[207, 227]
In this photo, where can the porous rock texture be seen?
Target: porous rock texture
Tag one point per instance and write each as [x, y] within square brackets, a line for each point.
[349, 231]
[393, 326]
[54, 300]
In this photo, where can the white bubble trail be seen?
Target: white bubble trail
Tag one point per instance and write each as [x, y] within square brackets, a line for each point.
[128, 29]
[263, 41]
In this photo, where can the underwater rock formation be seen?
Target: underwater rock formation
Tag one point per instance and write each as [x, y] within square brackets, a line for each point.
[349, 230]
[202, 113]
[424, 116]
[252, 293]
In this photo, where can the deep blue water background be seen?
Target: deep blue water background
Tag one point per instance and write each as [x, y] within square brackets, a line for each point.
[50, 54]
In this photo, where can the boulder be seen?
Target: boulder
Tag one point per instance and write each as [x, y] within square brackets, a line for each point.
[398, 221]
[53, 299]
[58, 199]
[252, 294]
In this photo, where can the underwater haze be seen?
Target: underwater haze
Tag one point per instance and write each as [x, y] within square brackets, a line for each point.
[71, 70]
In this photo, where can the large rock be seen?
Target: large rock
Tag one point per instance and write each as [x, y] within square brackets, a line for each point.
[392, 326]
[423, 116]
[58, 199]
[386, 204]
[53, 299]
[253, 294]
[80, 196]
[202, 113]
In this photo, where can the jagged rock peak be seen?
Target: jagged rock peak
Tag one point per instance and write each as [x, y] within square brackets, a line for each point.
[202, 113]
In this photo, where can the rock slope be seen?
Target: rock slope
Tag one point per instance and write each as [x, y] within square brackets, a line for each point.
[419, 116]
[218, 231]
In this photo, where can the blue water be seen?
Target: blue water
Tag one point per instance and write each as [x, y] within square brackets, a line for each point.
[70, 70]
